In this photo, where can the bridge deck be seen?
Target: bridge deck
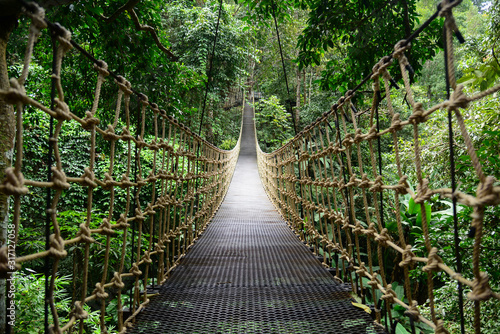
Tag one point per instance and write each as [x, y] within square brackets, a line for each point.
[249, 273]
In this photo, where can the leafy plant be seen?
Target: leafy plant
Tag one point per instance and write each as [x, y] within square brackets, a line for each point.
[271, 121]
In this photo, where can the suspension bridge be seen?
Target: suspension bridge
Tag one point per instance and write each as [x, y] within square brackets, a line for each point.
[243, 241]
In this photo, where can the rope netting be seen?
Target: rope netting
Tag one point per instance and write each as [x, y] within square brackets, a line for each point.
[317, 178]
[170, 197]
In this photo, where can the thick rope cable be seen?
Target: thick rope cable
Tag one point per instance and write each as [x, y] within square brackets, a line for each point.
[273, 6]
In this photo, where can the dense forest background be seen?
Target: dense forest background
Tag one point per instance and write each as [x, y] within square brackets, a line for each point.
[327, 48]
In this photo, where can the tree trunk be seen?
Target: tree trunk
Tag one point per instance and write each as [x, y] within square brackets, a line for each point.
[297, 99]
[304, 85]
[7, 133]
[310, 86]
[208, 124]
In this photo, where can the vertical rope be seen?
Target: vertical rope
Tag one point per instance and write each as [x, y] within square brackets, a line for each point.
[49, 190]
[273, 5]
[456, 238]
[209, 75]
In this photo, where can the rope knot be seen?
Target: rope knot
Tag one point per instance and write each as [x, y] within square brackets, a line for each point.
[395, 123]
[458, 99]
[149, 210]
[413, 312]
[57, 247]
[407, 257]
[402, 187]
[440, 324]
[140, 143]
[345, 255]
[486, 193]
[122, 222]
[358, 136]
[15, 93]
[381, 68]
[155, 108]
[147, 258]
[372, 133]
[400, 48]
[135, 270]
[480, 288]
[418, 115]
[102, 67]
[377, 185]
[13, 183]
[78, 312]
[370, 231]
[64, 37]
[88, 178]
[446, 6]
[5, 266]
[117, 281]
[160, 246]
[85, 234]
[62, 110]
[99, 291]
[345, 224]
[348, 140]
[37, 15]
[125, 182]
[383, 237]
[365, 182]
[89, 121]
[374, 281]
[423, 192]
[433, 261]
[362, 270]
[389, 294]
[59, 179]
[358, 229]
[352, 181]
[126, 134]
[304, 156]
[375, 74]
[124, 85]
[108, 181]
[109, 134]
[144, 99]
[106, 227]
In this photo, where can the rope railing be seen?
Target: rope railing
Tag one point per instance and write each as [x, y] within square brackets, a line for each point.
[170, 197]
[320, 179]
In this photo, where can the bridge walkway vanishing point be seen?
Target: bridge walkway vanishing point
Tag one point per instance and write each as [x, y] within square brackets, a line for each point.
[249, 273]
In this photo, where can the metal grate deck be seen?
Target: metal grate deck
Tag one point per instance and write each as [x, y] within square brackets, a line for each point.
[249, 273]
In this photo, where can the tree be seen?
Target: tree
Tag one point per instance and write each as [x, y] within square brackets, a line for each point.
[7, 124]
[363, 32]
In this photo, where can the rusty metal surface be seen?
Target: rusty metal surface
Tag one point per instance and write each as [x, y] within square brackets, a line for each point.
[249, 273]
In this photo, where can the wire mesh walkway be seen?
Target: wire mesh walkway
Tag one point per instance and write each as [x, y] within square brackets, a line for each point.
[249, 273]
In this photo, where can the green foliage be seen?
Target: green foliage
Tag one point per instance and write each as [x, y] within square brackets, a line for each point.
[271, 121]
[480, 63]
[360, 32]
[484, 76]
[30, 295]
